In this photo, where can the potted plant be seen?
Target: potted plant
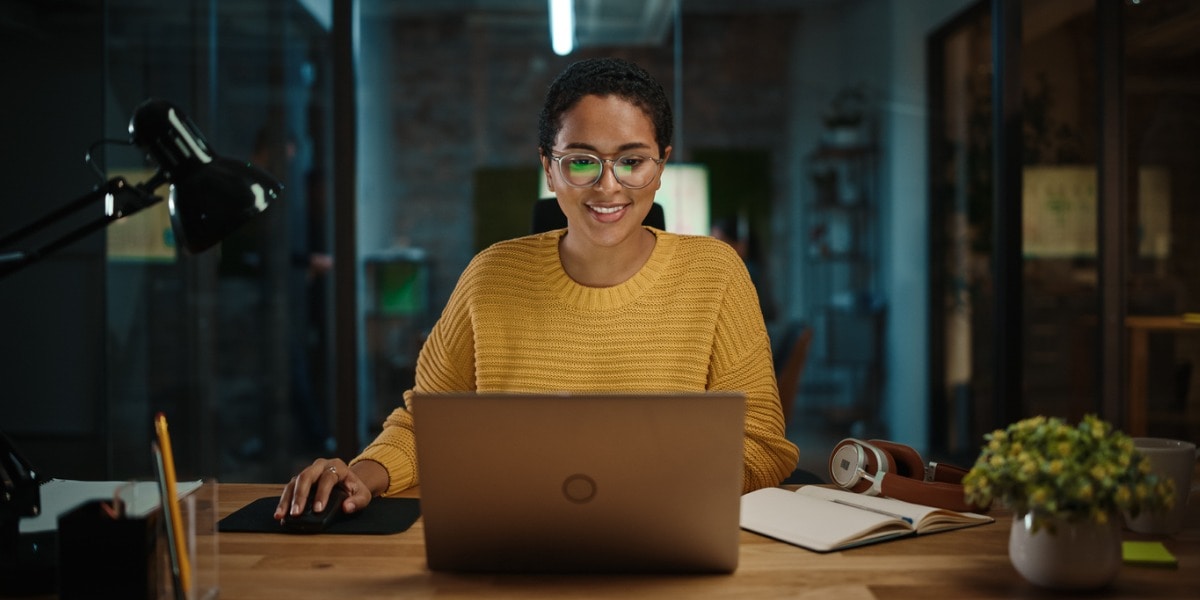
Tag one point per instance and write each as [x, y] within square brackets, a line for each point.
[1068, 487]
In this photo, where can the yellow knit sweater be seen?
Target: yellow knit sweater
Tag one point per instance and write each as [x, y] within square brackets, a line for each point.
[689, 320]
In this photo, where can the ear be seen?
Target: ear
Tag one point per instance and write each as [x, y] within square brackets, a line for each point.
[666, 156]
[546, 170]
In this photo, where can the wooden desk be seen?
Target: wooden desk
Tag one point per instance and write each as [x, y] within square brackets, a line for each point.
[1140, 328]
[969, 563]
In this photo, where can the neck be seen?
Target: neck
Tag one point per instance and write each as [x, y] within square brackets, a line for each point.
[606, 267]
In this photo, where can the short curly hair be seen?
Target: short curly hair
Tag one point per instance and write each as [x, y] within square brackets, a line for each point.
[605, 77]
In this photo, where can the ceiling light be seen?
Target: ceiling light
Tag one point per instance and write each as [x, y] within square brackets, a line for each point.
[562, 26]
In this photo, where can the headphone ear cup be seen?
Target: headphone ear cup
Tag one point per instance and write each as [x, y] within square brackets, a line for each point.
[844, 462]
[907, 461]
[851, 459]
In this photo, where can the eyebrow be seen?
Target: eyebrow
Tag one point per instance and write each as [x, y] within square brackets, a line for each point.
[621, 148]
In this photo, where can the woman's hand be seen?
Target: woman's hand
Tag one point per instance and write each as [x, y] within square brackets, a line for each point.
[323, 474]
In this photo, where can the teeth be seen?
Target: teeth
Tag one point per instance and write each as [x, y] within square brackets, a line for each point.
[606, 210]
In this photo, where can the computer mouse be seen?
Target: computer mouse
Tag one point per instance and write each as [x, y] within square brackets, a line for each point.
[311, 521]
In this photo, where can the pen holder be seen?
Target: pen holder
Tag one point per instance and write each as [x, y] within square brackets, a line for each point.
[107, 555]
[200, 527]
[104, 556]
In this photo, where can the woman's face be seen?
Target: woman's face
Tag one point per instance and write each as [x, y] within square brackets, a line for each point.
[606, 214]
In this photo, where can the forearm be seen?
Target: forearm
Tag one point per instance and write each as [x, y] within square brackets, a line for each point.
[390, 460]
[769, 457]
[742, 361]
[373, 474]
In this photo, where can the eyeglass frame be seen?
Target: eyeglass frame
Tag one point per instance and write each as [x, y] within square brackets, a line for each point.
[612, 168]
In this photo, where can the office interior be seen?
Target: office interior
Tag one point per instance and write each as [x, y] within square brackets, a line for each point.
[981, 211]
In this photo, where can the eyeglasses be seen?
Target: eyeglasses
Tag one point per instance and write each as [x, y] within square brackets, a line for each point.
[633, 171]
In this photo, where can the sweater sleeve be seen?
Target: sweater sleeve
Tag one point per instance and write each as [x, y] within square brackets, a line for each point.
[742, 361]
[446, 363]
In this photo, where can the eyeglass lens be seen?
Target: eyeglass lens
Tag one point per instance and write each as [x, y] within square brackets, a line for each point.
[584, 170]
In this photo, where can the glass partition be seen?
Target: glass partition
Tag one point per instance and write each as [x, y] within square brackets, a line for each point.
[962, 224]
[231, 344]
[1162, 53]
[1063, 239]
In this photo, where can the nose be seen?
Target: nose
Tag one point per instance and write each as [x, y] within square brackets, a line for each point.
[608, 175]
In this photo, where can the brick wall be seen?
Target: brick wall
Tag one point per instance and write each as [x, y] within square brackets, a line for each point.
[461, 95]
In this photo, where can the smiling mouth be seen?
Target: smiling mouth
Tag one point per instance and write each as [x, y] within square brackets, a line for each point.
[607, 210]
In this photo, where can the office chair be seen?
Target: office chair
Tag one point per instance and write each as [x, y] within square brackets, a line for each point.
[790, 358]
[547, 216]
[791, 370]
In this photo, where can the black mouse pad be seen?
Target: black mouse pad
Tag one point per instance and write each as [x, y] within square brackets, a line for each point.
[381, 516]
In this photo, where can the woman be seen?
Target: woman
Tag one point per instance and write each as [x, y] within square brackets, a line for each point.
[603, 305]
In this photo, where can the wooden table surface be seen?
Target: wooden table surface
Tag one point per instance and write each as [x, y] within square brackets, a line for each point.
[968, 563]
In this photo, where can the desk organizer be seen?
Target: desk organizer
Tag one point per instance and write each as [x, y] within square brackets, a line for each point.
[102, 554]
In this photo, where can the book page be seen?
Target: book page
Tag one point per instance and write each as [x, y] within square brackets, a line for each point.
[813, 522]
[926, 519]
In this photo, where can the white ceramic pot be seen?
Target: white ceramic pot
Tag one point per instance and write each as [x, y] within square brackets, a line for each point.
[1077, 555]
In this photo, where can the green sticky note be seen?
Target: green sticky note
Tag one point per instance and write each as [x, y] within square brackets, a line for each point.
[1152, 554]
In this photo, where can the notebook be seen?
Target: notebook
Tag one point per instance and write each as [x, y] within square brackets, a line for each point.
[580, 483]
[826, 519]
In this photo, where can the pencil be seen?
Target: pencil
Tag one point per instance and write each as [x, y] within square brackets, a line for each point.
[875, 510]
[172, 550]
[171, 503]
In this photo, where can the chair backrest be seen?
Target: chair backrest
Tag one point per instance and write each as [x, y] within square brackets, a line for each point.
[790, 372]
[547, 216]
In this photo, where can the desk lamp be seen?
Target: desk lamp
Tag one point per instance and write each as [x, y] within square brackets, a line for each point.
[210, 197]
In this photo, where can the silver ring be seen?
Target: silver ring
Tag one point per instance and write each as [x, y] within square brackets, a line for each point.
[332, 469]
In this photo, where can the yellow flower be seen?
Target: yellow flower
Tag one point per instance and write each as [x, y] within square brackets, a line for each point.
[1039, 496]
[1048, 465]
[1086, 492]
[1141, 491]
[1122, 495]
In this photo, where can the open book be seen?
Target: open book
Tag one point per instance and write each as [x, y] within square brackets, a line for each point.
[825, 519]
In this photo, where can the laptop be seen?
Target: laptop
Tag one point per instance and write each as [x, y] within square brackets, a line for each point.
[580, 483]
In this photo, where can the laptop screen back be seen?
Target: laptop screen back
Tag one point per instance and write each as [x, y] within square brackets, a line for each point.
[580, 482]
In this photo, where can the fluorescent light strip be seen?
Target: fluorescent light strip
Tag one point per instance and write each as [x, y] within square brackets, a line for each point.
[562, 26]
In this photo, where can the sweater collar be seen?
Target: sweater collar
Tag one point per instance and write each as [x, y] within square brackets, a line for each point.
[599, 298]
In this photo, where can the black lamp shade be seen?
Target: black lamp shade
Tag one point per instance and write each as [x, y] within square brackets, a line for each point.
[211, 196]
[216, 200]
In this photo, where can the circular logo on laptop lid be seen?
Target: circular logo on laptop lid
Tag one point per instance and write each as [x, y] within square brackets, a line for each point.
[579, 488]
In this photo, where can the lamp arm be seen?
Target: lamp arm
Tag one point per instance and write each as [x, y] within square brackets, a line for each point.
[126, 200]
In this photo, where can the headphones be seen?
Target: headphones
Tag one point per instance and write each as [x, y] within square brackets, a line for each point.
[883, 468]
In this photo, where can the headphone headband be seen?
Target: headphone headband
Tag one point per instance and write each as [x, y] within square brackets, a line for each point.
[883, 468]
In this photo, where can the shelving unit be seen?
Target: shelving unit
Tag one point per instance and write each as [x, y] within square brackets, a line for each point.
[842, 288]
[396, 319]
